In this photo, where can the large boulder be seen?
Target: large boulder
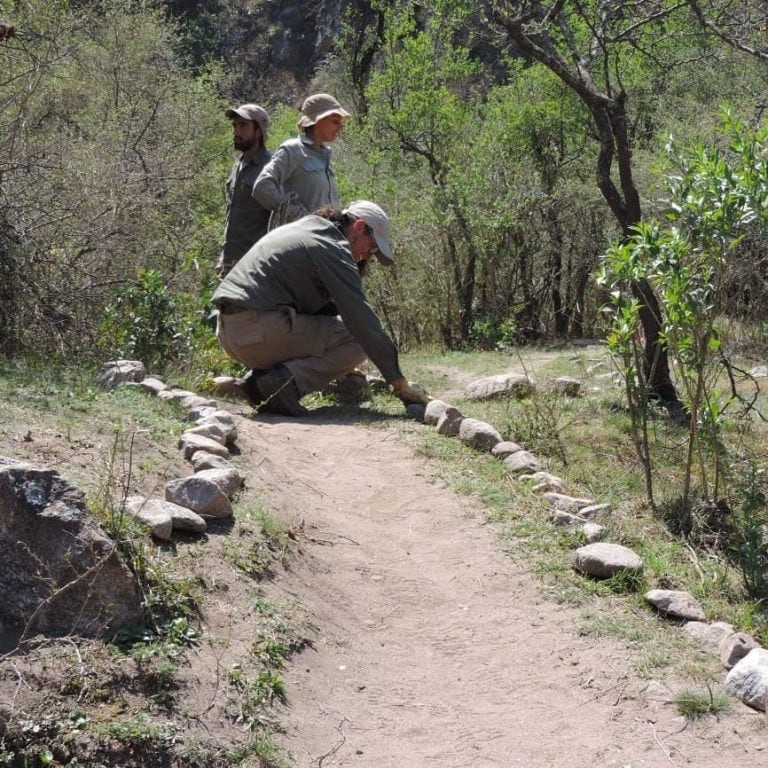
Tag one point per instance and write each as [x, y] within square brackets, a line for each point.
[676, 603]
[748, 680]
[117, 372]
[60, 572]
[199, 494]
[478, 434]
[604, 560]
[515, 385]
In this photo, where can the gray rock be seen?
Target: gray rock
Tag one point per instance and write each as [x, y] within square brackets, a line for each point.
[199, 494]
[538, 477]
[593, 509]
[566, 519]
[219, 414]
[210, 429]
[415, 411]
[548, 486]
[675, 603]
[478, 434]
[172, 393]
[48, 540]
[593, 532]
[603, 560]
[227, 385]
[434, 410]
[759, 372]
[226, 426]
[566, 503]
[543, 482]
[735, 647]
[180, 518]
[196, 401]
[203, 460]
[567, 386]
[515, 385]
[184, 519]
[202, 411]
[190, 444]
[450, 422]
[505, 448]
[115, 372]
[709, 636]
[748, 680]
[153, 517]
[521, 463]
[228, 480]
[153, 385]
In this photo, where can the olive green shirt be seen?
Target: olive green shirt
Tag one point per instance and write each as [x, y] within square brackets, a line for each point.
[247, 219]
[305, 265]
[300, 166]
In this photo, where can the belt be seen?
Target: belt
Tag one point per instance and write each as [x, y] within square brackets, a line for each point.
[229, 309]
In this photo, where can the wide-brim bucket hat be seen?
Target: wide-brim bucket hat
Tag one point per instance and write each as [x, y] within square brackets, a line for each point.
[318, 106]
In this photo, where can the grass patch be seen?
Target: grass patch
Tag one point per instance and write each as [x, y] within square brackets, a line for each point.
[269, 543]
[695, 705]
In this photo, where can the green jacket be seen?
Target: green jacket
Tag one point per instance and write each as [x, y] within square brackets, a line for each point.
[305, 265]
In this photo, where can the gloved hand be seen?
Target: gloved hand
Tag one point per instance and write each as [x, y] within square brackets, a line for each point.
[295, 211]
[410, 393]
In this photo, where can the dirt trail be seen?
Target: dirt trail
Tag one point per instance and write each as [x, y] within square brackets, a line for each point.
[433, 647]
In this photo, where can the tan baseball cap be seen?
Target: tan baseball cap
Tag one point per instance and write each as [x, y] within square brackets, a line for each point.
[317, 107]
[378, 221]
[251, 112]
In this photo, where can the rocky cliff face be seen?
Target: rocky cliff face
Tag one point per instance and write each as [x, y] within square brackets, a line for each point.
[271, 48]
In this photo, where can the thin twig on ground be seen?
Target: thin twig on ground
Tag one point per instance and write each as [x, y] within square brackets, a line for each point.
[338, 746]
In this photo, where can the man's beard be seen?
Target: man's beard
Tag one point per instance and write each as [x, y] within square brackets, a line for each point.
[243, 145]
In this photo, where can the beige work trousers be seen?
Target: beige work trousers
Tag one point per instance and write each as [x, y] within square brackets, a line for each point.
[315, 348]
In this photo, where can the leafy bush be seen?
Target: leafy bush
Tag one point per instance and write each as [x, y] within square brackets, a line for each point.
[144, 322]
[103, 84]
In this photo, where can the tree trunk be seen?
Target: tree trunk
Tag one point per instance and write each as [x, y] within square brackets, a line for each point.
[610, 121]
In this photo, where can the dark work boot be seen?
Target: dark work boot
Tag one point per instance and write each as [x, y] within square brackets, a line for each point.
[279, 394]
[248, 389]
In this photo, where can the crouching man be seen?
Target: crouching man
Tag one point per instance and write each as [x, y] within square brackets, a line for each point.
[279, 308]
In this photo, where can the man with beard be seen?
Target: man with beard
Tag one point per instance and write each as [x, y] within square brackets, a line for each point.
[247, 220]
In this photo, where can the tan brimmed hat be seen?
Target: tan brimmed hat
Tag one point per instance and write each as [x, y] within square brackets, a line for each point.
[252, 112]
[317, 107]
[378, 221]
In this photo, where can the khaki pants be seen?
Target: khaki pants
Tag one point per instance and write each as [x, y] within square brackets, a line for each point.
[315, 348]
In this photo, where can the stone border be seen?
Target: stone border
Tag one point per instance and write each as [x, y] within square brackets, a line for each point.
[738, 652]
[208, 493]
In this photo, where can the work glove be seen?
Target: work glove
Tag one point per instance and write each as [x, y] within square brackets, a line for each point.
[410, 393]
[295, 211]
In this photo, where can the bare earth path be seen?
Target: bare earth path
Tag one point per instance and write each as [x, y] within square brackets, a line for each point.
[433, 647]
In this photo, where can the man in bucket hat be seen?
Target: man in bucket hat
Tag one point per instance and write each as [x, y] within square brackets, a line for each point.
[299, 178]
[247, 220]
[294, 310]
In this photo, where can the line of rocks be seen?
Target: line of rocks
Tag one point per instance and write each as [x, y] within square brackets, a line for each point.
[208, 492]
[740, 653]
[190, 502]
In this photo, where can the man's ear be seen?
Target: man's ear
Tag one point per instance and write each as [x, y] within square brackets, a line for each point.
[359, 226]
